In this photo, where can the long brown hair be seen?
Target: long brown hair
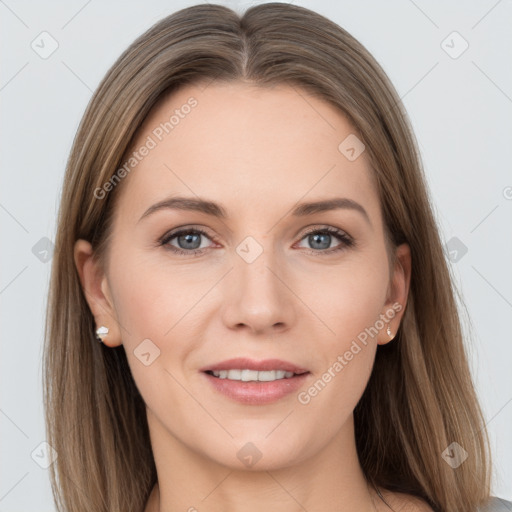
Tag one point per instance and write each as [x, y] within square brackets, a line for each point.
[420, 397]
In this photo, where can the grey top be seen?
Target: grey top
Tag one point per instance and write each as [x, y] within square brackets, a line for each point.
[497, 505]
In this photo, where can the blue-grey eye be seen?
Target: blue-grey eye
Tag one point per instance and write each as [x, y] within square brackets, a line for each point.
[191, 240]
[320, 240]
[187, 240]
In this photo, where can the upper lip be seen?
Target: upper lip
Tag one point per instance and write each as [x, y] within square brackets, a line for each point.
[241, 363]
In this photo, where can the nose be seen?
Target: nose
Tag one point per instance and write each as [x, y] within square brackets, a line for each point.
[258, 296]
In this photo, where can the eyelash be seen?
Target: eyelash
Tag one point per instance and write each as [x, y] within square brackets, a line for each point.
[346, 240]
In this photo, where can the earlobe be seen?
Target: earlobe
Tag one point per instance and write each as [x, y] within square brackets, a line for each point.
[96, 291]
[398, 293]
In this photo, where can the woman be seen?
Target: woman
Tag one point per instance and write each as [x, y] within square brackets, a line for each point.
[250, 306]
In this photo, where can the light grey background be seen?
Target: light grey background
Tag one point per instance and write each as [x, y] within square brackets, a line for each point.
[461, 111]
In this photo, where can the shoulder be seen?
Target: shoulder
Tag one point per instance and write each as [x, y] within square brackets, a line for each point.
[402, 502]
[496, 505]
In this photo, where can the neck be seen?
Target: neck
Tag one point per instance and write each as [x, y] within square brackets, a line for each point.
[332, 479]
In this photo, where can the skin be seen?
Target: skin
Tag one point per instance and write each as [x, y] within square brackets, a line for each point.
[257, 152]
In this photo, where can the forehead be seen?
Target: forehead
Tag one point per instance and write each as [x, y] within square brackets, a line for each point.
[248, 146]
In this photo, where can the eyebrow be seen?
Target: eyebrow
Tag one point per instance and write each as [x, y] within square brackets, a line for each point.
[216, 210]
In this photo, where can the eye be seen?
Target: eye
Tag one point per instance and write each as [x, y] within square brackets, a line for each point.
[187, 241]
[320, 240]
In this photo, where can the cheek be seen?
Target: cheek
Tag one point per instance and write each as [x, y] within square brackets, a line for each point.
[156, 301]
[152, 295]
[347, 355]
[347, 299]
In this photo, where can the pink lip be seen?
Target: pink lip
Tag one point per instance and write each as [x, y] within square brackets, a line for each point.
[240, 363]
[252, 392]
[257, 393]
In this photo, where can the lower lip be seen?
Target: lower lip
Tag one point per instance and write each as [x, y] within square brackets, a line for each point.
[257, 393]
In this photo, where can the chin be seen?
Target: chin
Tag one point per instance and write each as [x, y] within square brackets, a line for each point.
[261, 453]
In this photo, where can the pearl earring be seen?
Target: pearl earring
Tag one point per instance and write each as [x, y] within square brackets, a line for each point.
[388, 330]
[101, 332]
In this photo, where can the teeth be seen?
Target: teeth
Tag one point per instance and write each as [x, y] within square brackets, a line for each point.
[251, 375]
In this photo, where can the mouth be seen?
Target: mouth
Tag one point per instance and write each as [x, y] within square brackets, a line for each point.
[246, 375]
[255, 382]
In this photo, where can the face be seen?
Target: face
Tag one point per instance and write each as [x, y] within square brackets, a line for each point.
[188, 289]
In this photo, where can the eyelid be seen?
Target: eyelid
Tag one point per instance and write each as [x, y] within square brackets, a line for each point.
[345, 239]
[186, 228]
[196, 227]
[324, 227]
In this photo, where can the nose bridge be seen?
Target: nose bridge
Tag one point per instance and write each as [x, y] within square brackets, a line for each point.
[258, 297]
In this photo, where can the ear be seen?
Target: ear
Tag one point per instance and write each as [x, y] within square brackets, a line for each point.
[97, 292]
[398, 292]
